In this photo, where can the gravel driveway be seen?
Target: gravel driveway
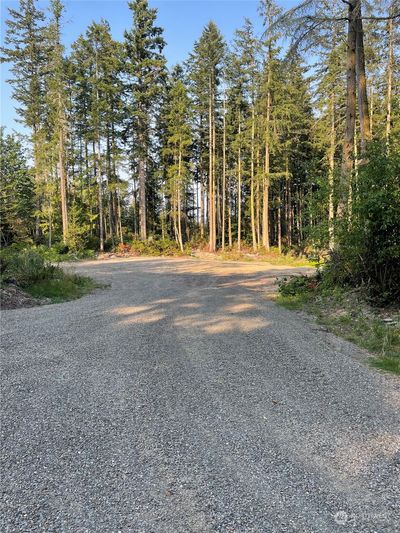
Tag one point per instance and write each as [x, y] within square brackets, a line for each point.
[182, 400]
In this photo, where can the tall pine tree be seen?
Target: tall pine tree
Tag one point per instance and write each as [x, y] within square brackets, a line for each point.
[145, 69]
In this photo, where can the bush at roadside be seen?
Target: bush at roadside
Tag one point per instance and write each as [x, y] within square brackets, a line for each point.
[37, 276]
[346, 313]
[26, 267]
[367, 255]
[153, 247]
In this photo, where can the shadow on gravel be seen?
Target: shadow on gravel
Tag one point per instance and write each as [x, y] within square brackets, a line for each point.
[180, 396]
[195, 306]
[276, 372]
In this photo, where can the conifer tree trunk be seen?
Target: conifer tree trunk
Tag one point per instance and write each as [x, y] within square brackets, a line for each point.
[288, 206]
[146, 66]
[180, 242]
[63, 186]
[252, 210]
[211, 200]
[363, 108]
[214, 165]
[258, 206]
[348, 144]
[36, 148]
[223, 177]
[98, 159]
[239, 166]
[352, 180]
[57, 103]
[279, 221]
[174, 213]
[371, 110]
[179, 201]
[142, 196]
[111, 190]
[202, 210]
[230, 240]
[121, 237]
[331, 163]
[300, 215]
[117, 193]
[265, 226]
[210, 176]
[217, 190]
[88, 181]
[389, 77]
[100, 197]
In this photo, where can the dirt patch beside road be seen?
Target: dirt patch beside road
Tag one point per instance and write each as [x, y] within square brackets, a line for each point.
[12, 297]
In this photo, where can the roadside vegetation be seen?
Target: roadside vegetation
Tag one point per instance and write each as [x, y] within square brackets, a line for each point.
[240, 151]
[273, 256]
[356, 293]
[348, 314]
[199, 248]
[151, 247]
[29, 271]
[240, 146]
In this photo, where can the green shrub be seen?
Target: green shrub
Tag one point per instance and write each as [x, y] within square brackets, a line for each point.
[30, 270]
[368, 251]
[153, 247]
[92, 242]
[61, 248]
[85, 254]
[65, 287]
[294, 285]
[27, 267]
[56, 254]
[108, 245]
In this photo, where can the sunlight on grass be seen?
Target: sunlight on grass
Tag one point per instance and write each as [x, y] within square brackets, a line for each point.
[292, 302]
[273, 257]
[68, 287]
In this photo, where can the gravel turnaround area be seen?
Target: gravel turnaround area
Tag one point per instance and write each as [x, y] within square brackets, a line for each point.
[181, 399]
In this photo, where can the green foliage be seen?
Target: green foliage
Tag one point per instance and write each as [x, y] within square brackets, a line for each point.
[17, 191]
[273, 256]
[78, 230]
[153, 247]
[205, 64]
[26, 267]
[368, 252]
[179, 138]
[26, 49]
[32, 270]
[347, 314]
[145, 62]
[60, 252]
[295, 285]
[387, 363]
[236, 139]
[63, 287]
[296, 291]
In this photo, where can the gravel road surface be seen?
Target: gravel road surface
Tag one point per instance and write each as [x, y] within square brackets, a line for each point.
[181, 399]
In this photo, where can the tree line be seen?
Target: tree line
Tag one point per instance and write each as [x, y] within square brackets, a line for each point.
[254, 143]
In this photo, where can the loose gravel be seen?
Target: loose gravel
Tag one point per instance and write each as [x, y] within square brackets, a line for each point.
[181, 399]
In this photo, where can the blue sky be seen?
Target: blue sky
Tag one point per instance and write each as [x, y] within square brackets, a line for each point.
[182, 21]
